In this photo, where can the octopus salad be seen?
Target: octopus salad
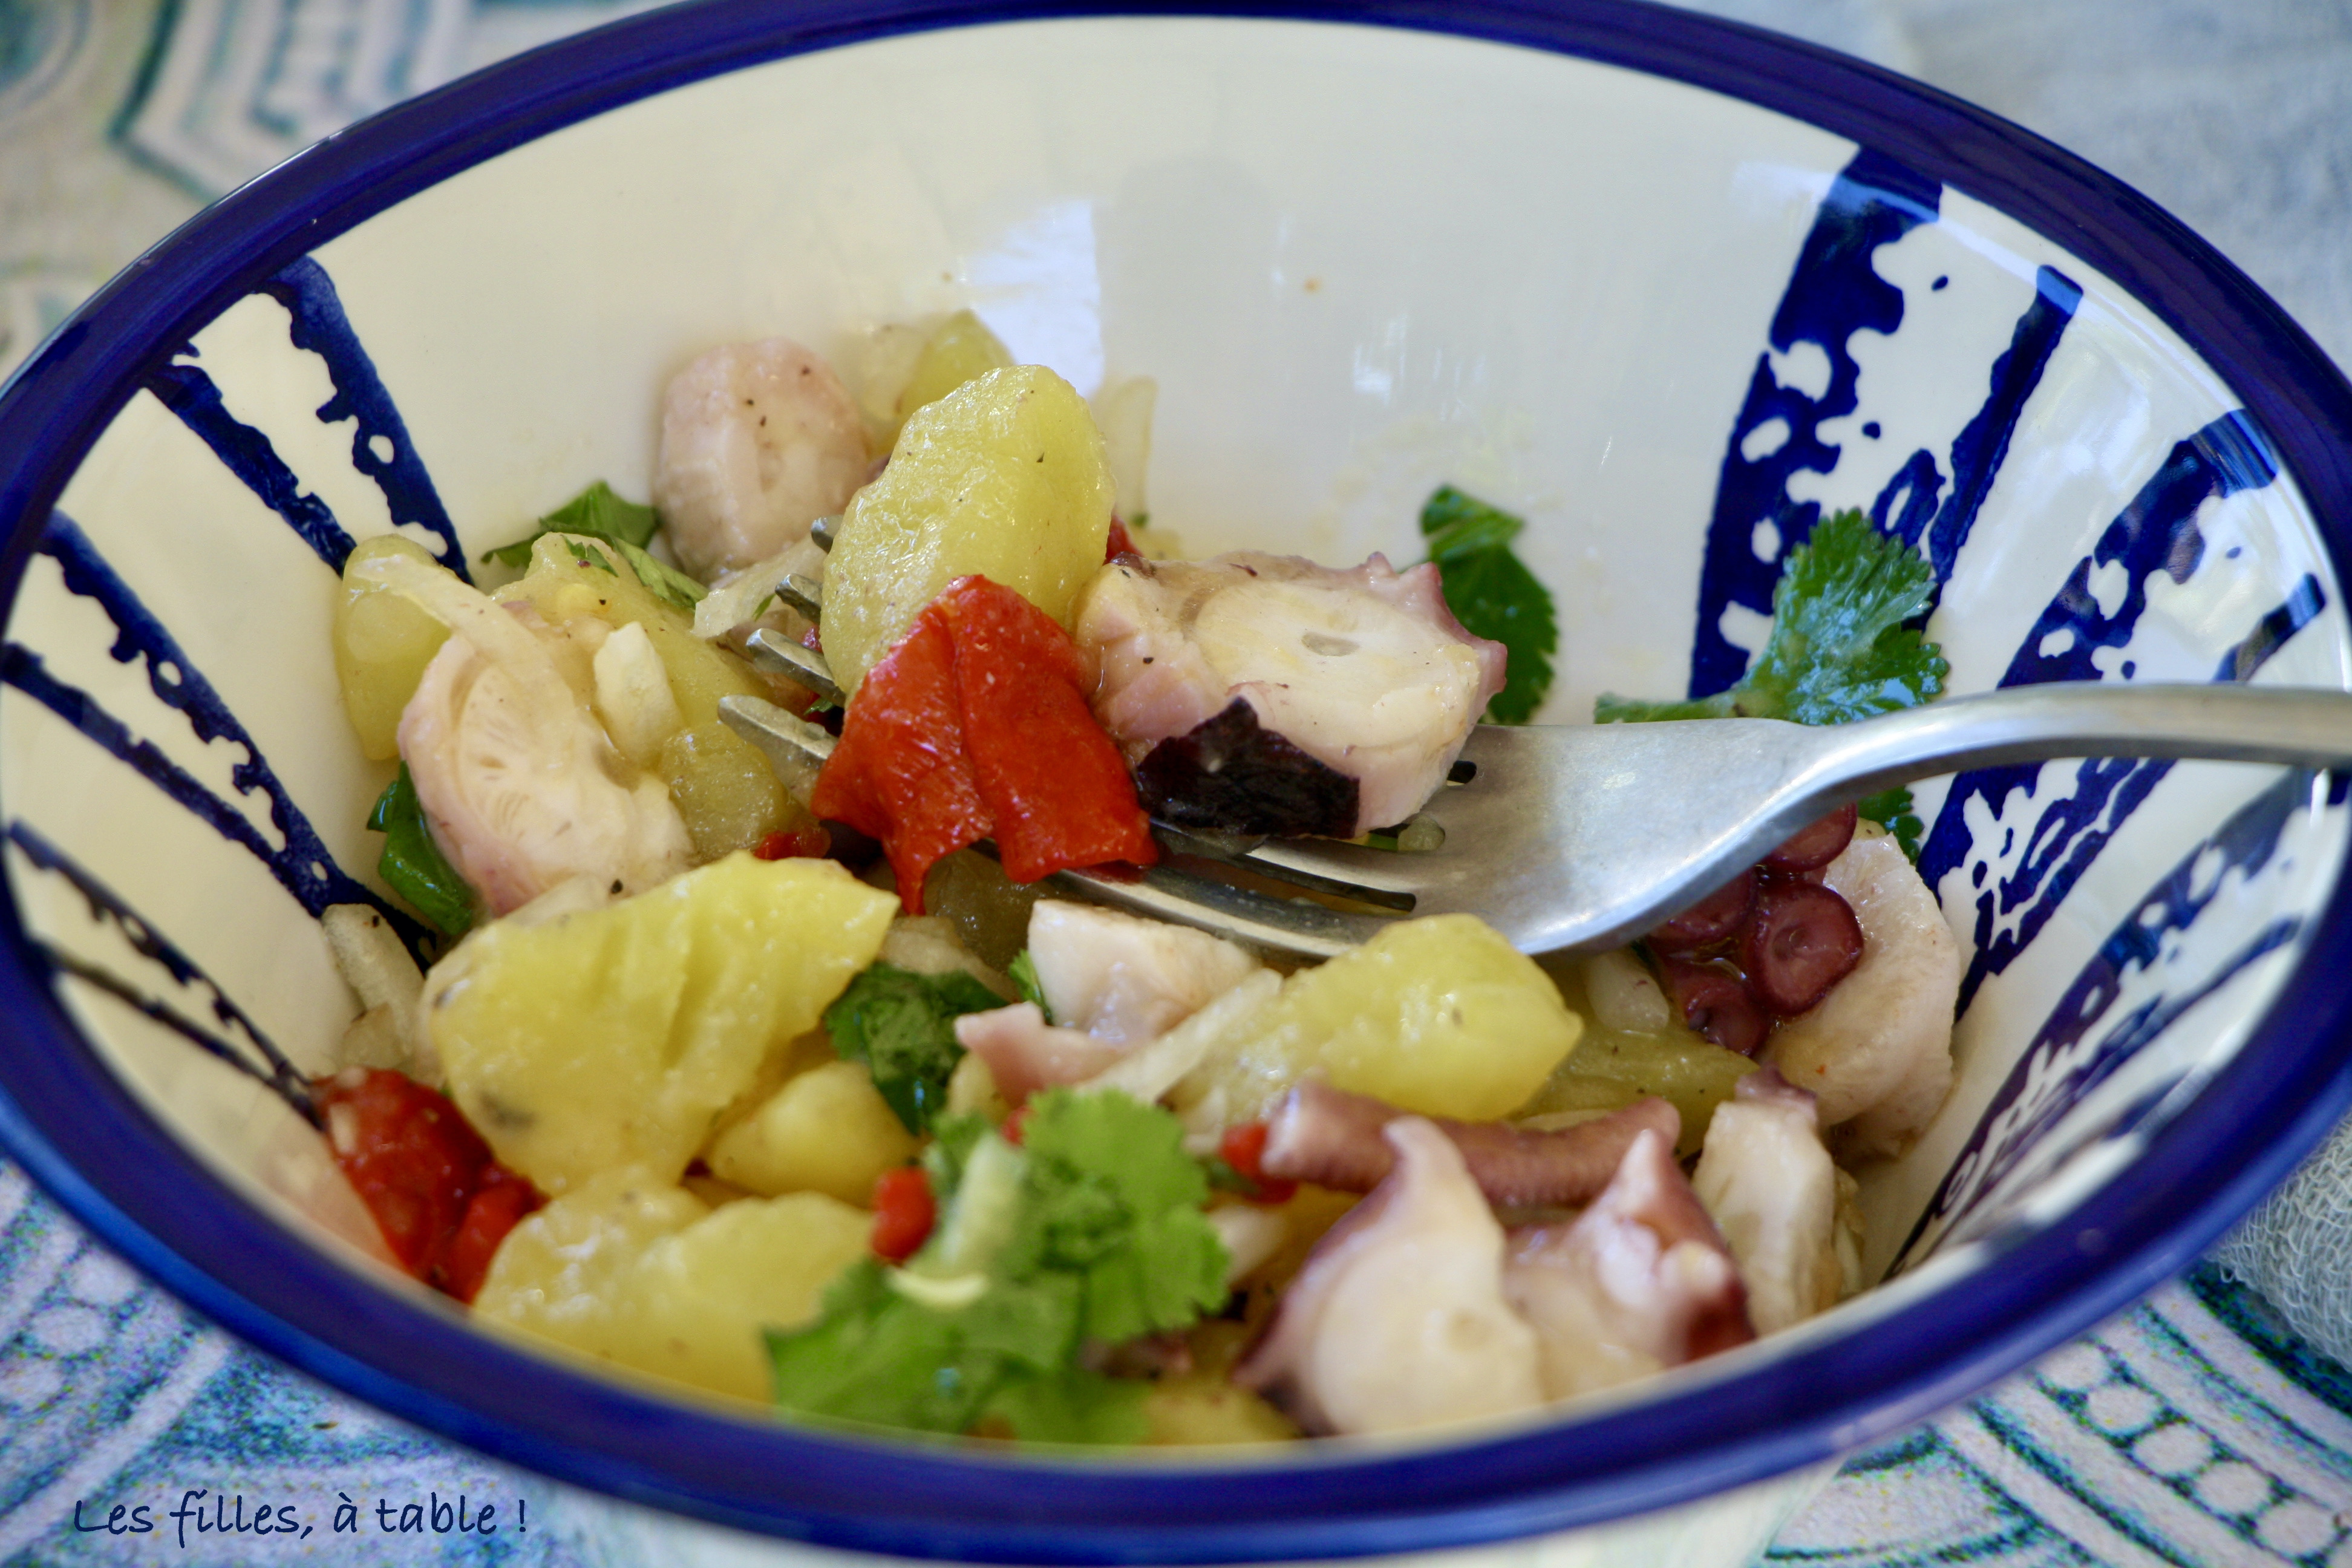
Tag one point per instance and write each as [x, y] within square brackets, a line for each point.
[788, 1086]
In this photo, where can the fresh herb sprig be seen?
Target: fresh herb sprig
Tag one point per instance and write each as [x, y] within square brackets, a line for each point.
[597, 512]
[412, 865]
[1839, 649]
[1494, 596]
[901, 1025]
[1097, 1237]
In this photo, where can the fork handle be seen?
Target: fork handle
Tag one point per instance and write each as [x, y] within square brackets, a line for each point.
[2223, 721]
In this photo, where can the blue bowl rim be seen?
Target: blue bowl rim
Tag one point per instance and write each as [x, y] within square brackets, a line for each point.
[73, 1125]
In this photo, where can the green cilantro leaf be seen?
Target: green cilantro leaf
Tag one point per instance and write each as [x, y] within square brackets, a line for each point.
[1837, 649]
[901, 1025]
[596, 512]
[412, 864]
[1892, 809]
[1023, 974]
[1494, 596]
[1107, 1242]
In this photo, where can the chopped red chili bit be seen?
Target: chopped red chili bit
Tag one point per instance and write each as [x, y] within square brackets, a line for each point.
[1243, 1149]
[976, 725]
[1015, 1126]
[441, 1201]
[794, 844]
[1120, 543]
[904, 1213]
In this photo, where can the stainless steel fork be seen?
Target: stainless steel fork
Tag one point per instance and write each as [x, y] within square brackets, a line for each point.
[1569, 837]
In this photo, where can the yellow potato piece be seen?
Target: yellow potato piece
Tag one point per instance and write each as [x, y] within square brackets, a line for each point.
[382, 643]
[959, 349]
[827, 1131]
[613, 1035]
[1198, 1410]
[1005, 477]
[560, 1274]
[1440, 1016]
[635, 1270]
[724, 789]
[696, 1306]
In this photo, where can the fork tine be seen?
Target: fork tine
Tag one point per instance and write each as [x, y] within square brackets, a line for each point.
[803, 666]
[792, 744]
[804, 594]
[824, 531]
[1270, 861]
[1383, 876]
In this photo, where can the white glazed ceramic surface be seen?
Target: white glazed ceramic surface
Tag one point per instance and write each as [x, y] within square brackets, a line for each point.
[1359, 263]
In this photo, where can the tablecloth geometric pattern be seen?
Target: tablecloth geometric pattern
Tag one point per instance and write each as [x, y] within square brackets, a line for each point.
[2195, 1428]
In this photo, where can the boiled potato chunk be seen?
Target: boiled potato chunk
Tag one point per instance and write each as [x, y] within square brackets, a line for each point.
[1441, 1016]
[1005, 477]
[827, 1131]
[724, 789]
[382, 643]
[613, 1035]
[634, 1269]
[560, 1274]
[959, 349]
[696, 1306]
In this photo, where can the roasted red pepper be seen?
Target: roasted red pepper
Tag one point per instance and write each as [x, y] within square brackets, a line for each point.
[441, 1201]
[976, 725]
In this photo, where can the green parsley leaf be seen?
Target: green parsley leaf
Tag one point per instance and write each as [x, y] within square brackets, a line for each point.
[1493, 595]
[1892, 809]
[1023, 974]
[412, 864]
[586, 556]
[596, 512]
[1107, 1242]
[1837, 649]
[901, 1025]
[665, 583]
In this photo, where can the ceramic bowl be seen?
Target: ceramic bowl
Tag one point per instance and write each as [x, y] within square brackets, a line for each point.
[1664, 285]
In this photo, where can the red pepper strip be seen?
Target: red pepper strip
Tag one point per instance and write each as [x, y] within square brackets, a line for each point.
[900, 773]
[422, 1172]
[1054, 782]
[975, 725]
[904, 1213]
[1243, 1148]
[1120, 543]
[497, 1207]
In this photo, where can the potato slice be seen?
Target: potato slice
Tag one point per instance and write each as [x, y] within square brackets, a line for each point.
[1005, 477]
[696, 1306]
[382, 643]
[827, 1131]
[559, 1273]
[613, 1035]
[1440, 1016]
[959, 349]
[636, 1270]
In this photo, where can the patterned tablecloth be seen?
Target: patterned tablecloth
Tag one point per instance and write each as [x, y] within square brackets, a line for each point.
[2196, 1429]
